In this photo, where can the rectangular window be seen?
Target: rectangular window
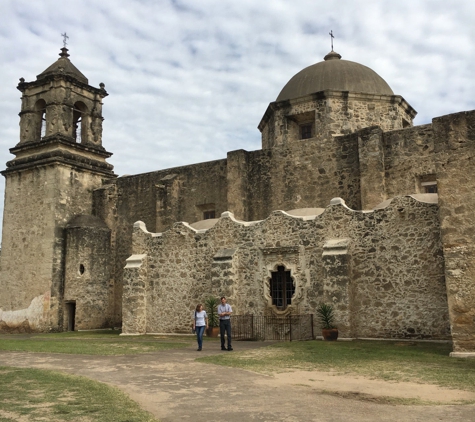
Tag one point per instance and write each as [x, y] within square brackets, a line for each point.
[306, 131]
[428, 183]
[207, 215]
[429, 187]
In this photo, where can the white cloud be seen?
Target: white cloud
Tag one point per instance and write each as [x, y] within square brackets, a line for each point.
[190, 80]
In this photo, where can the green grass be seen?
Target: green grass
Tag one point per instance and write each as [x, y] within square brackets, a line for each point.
[29, 394]
[393, 361]
[39, 395]
[105, 343]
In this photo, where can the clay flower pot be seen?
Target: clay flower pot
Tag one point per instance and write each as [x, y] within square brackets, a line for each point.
[330, 334]
[212, 331]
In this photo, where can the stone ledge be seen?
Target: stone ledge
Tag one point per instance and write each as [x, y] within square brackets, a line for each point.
[462, 355]
[135, 261]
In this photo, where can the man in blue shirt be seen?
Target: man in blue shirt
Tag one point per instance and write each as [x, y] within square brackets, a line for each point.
[224, 312]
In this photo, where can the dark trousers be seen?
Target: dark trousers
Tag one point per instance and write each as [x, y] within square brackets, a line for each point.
[225, 327]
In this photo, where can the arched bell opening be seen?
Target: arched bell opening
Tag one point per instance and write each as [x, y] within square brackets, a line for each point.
[80, 118]
[40, 119]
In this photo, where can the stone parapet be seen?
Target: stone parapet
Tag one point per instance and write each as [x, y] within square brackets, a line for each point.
[382, 270]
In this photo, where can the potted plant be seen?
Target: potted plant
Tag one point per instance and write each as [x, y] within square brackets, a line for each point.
[211, 307]
[326, 317]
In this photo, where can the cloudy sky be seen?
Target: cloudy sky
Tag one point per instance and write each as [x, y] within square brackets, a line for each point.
[189, 80]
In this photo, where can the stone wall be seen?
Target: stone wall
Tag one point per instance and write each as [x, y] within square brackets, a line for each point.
[33, 242]
[159, 199]
[87, 282]
[454, 145]
[382, 270]
[364, 168]
[135, 290]
[408, 157]
[303, 174]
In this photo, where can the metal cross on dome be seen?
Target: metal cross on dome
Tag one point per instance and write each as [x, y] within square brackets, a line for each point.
[65, 37]
[331, 35]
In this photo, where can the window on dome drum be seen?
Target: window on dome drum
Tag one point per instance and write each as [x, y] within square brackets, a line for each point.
[306, 131]
[281, 288]
[207, 215]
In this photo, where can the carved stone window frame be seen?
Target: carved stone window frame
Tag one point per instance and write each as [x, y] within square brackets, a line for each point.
[292, 258]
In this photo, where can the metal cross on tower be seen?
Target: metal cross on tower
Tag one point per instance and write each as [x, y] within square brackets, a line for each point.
[65, 37]
[331, 35]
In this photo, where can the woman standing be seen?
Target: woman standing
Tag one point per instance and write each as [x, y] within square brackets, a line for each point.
[200, 322]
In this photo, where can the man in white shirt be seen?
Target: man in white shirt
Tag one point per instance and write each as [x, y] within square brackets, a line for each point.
[224, 312]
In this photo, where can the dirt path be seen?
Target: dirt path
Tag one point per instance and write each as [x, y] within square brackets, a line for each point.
[173, 387]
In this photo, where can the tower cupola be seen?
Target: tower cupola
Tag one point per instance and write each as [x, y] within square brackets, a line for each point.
[61, 103]
[61, 119]
[63, 66]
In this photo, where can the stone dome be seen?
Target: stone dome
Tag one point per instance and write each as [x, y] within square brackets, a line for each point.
[334, 74]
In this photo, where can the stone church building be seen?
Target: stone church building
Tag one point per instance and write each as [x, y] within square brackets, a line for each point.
[346, 203]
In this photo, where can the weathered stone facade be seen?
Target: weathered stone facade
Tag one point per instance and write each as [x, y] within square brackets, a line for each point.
[382, 270]
[87, 273]
[72, 259]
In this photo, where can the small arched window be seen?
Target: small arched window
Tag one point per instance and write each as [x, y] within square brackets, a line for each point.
[79, 122]
[40, 119]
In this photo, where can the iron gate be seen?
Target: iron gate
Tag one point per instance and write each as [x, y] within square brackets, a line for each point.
[261, 327]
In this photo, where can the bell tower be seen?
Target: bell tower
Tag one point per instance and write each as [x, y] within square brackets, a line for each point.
[58, 162]
[61, 104]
